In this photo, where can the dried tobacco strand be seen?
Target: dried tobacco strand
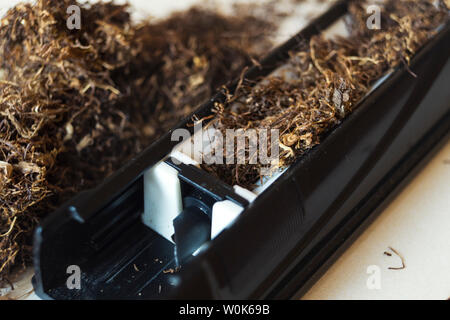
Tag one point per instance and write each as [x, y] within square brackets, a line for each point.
[403, 266]
[75, 105]
[324, 81]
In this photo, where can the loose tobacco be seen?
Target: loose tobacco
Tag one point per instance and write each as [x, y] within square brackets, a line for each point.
[323, 82]
[75, 105]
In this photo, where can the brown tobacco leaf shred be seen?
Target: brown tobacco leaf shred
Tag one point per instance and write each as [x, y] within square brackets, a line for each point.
[401, 258]
[323, 82]
[75, 105]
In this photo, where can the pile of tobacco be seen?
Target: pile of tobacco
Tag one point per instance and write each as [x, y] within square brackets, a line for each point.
[75, 105]
[323, 82]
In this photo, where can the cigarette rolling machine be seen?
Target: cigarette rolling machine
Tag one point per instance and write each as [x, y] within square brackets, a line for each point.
[162, 228]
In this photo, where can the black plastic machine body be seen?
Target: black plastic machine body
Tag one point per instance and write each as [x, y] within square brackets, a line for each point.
[283, 239]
